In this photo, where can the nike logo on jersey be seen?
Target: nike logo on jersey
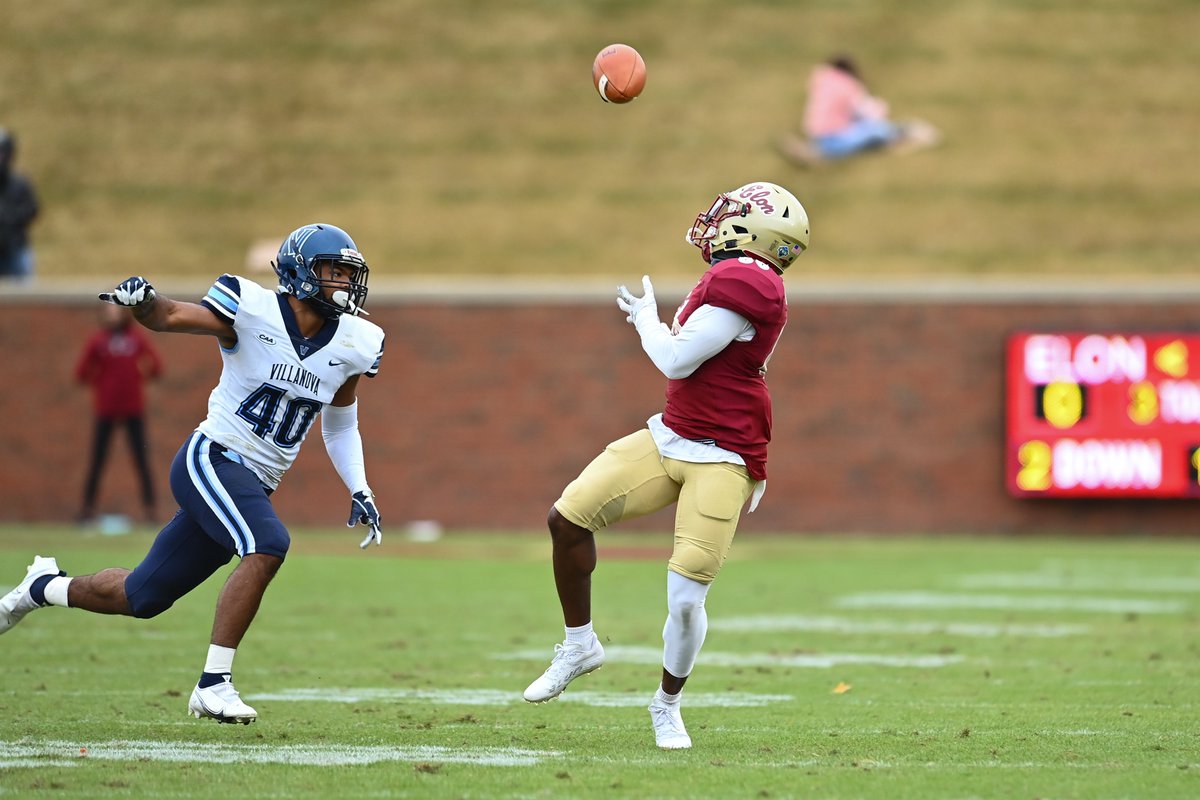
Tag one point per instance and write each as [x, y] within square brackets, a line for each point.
[333, 363]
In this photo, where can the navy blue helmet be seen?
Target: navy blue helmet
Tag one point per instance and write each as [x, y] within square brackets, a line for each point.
[297, 266]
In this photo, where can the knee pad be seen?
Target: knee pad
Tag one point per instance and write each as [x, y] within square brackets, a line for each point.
[696, 561]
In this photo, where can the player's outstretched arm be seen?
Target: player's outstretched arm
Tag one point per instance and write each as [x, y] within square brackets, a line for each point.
[160, 313]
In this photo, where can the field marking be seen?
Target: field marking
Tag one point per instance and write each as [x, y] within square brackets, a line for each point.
[60, 753]
[1059, 580]
[653, 656]
[55, 752]
[498, 697]
[1007, 602]
[801, 622]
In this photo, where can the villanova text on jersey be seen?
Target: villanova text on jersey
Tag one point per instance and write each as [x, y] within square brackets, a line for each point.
[297, 375]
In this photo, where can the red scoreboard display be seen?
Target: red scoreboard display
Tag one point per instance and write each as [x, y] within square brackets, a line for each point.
[1102, 415]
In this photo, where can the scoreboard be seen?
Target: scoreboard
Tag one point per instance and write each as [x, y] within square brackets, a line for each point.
[1102, 415]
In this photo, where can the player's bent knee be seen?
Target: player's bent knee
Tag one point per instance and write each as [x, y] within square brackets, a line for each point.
[696, 563]
[563, 530]
[148, 604]
[700, 558]
[273, 543]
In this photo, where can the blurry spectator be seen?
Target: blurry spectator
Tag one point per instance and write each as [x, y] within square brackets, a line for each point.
[18, 207]
[842, 118]
[115, 362]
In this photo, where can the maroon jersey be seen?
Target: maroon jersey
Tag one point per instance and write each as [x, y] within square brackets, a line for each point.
[726, 399]
[115, 363]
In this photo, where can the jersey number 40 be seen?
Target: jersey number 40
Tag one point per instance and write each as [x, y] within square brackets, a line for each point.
[262, 410]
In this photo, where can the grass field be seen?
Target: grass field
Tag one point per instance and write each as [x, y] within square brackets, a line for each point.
[464, 137]
[988, 668]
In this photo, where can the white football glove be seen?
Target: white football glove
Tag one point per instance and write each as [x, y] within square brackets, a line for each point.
[644, 307]
[130, 292]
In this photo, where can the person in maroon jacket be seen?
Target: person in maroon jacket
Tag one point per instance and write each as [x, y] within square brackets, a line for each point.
[707, 451]
[116, 362]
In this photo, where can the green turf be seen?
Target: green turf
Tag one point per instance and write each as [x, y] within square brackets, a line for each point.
[1052, 669]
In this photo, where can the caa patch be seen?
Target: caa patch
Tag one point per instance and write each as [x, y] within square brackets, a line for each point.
[782, 252]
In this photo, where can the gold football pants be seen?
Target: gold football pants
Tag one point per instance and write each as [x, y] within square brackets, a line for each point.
[630, 479]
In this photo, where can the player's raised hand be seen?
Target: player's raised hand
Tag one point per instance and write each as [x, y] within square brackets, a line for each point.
[364, 512]
[636, 306]
[130, 292]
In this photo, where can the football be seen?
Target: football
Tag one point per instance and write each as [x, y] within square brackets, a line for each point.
[619, 73]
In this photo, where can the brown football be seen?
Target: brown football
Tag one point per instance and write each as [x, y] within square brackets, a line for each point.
[619, 73]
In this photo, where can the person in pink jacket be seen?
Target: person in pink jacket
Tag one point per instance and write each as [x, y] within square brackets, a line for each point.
[842, 118]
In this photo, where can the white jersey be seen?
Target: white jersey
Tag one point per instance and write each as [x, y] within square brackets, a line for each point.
[274, 382]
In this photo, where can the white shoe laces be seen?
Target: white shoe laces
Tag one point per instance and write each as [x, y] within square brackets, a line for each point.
[226, 690]
[668, 719]
[563, 656]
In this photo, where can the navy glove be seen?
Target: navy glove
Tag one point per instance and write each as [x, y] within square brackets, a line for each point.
[364, 512]
[131, 292]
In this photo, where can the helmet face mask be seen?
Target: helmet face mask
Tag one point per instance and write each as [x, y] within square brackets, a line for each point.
[708, 223]
[759, 219]
[303, 269]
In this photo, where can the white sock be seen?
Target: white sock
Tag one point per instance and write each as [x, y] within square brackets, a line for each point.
[56, 591]
[220, 660]
[669, 699]
[583, 635]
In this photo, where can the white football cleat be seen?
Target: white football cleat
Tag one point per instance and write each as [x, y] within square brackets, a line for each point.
[19, 602]
[669, 733]
[222, 703]
[570, 661]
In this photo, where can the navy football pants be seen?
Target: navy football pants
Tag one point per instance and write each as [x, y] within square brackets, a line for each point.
[223, 510]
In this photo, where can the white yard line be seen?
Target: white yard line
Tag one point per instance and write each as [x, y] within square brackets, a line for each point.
[498, 697]
[653, 655]
[1089, 582]
[802, 622]
[63, 753]
[60, 753]
[1007, 602]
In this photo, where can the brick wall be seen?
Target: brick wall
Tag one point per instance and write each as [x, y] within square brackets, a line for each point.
[888, 411]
